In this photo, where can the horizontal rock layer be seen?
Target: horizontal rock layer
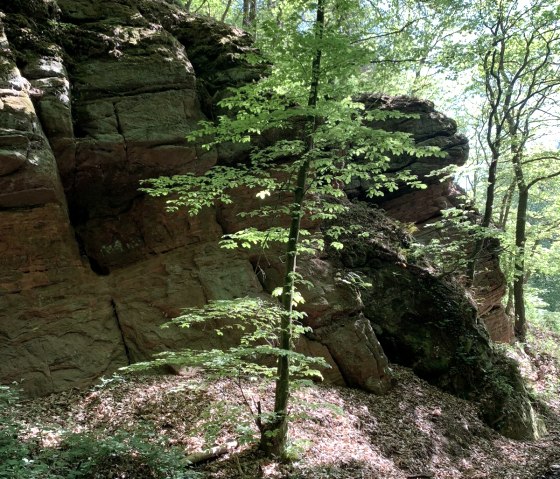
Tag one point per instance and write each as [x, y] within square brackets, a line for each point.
[96, 96]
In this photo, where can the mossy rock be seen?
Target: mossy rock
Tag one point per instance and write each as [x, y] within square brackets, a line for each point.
[429, 324]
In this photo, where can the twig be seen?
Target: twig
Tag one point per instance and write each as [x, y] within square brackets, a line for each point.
[245, 400]
[239, 468]
[211, 453]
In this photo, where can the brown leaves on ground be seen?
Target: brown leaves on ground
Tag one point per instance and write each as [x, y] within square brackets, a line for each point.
[416, 431]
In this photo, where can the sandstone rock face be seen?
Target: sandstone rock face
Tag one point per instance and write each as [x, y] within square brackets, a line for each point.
[423, 207]
[102, 98]
[89, 106]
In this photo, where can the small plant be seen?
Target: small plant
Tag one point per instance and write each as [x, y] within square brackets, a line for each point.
[253, 360]
[135, 454]
[295, 450]
[125, 454]
[15, 455]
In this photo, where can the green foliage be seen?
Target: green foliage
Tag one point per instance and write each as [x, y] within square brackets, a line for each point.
[84, 455]
[89, 456]
[295, 450]
[344, 149]
[324, 139]
[450, 241]
[416, 43]
[257, 323]
[15, 455]
[542, 319]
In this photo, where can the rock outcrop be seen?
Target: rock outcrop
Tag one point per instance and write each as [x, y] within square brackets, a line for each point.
[424, 207]
[92, 104]
[433, 327]
[98, 95]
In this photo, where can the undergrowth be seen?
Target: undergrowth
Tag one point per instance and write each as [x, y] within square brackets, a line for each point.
[84, 455]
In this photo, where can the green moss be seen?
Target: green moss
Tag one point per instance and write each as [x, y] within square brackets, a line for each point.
[430, 325]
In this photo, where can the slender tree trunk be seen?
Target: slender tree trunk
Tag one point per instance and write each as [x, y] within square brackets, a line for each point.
[246, 8]
[474, 187]
[493, 61]
[518, 138]
[506, 205]
[487, 217]
[201, 6]
[490, 190]
[252, 12]
[274, 433]
[519, 276]
[417, 76]
[226, 11]
[249, 13]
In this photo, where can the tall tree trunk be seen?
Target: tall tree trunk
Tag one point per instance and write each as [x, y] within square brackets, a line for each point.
[417, 76]
[493, 61]
[488, 209]
[274, 433]
[519, 277]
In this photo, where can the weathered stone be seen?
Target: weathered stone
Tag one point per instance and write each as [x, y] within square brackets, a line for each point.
[53, 105]
[177, 113]
[37, 248]
[81, 11]
[40, 68]
[357, 353]
[309, 347]
[151, 292]
[431, 325]
[58, 329]
[105, 99]
[59, 336]
[28, 172]
[11, 161]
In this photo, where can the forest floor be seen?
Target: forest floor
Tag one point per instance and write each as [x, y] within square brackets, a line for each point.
[416, 431]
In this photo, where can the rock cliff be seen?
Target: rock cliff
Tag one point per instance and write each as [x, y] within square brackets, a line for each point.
[97, 95]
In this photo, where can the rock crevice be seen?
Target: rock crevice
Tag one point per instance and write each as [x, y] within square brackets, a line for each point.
[121, 331]
[98, 95]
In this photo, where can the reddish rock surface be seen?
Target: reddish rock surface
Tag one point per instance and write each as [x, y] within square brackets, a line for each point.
[91, 267]
[423, 207]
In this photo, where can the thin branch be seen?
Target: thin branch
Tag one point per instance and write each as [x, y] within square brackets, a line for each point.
[542, 178]
[387, 34]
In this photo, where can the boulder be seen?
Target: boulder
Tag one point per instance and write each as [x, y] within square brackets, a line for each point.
[431, 325]
[96, 96]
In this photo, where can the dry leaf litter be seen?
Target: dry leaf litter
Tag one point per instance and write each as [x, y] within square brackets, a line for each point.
[416, 431]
